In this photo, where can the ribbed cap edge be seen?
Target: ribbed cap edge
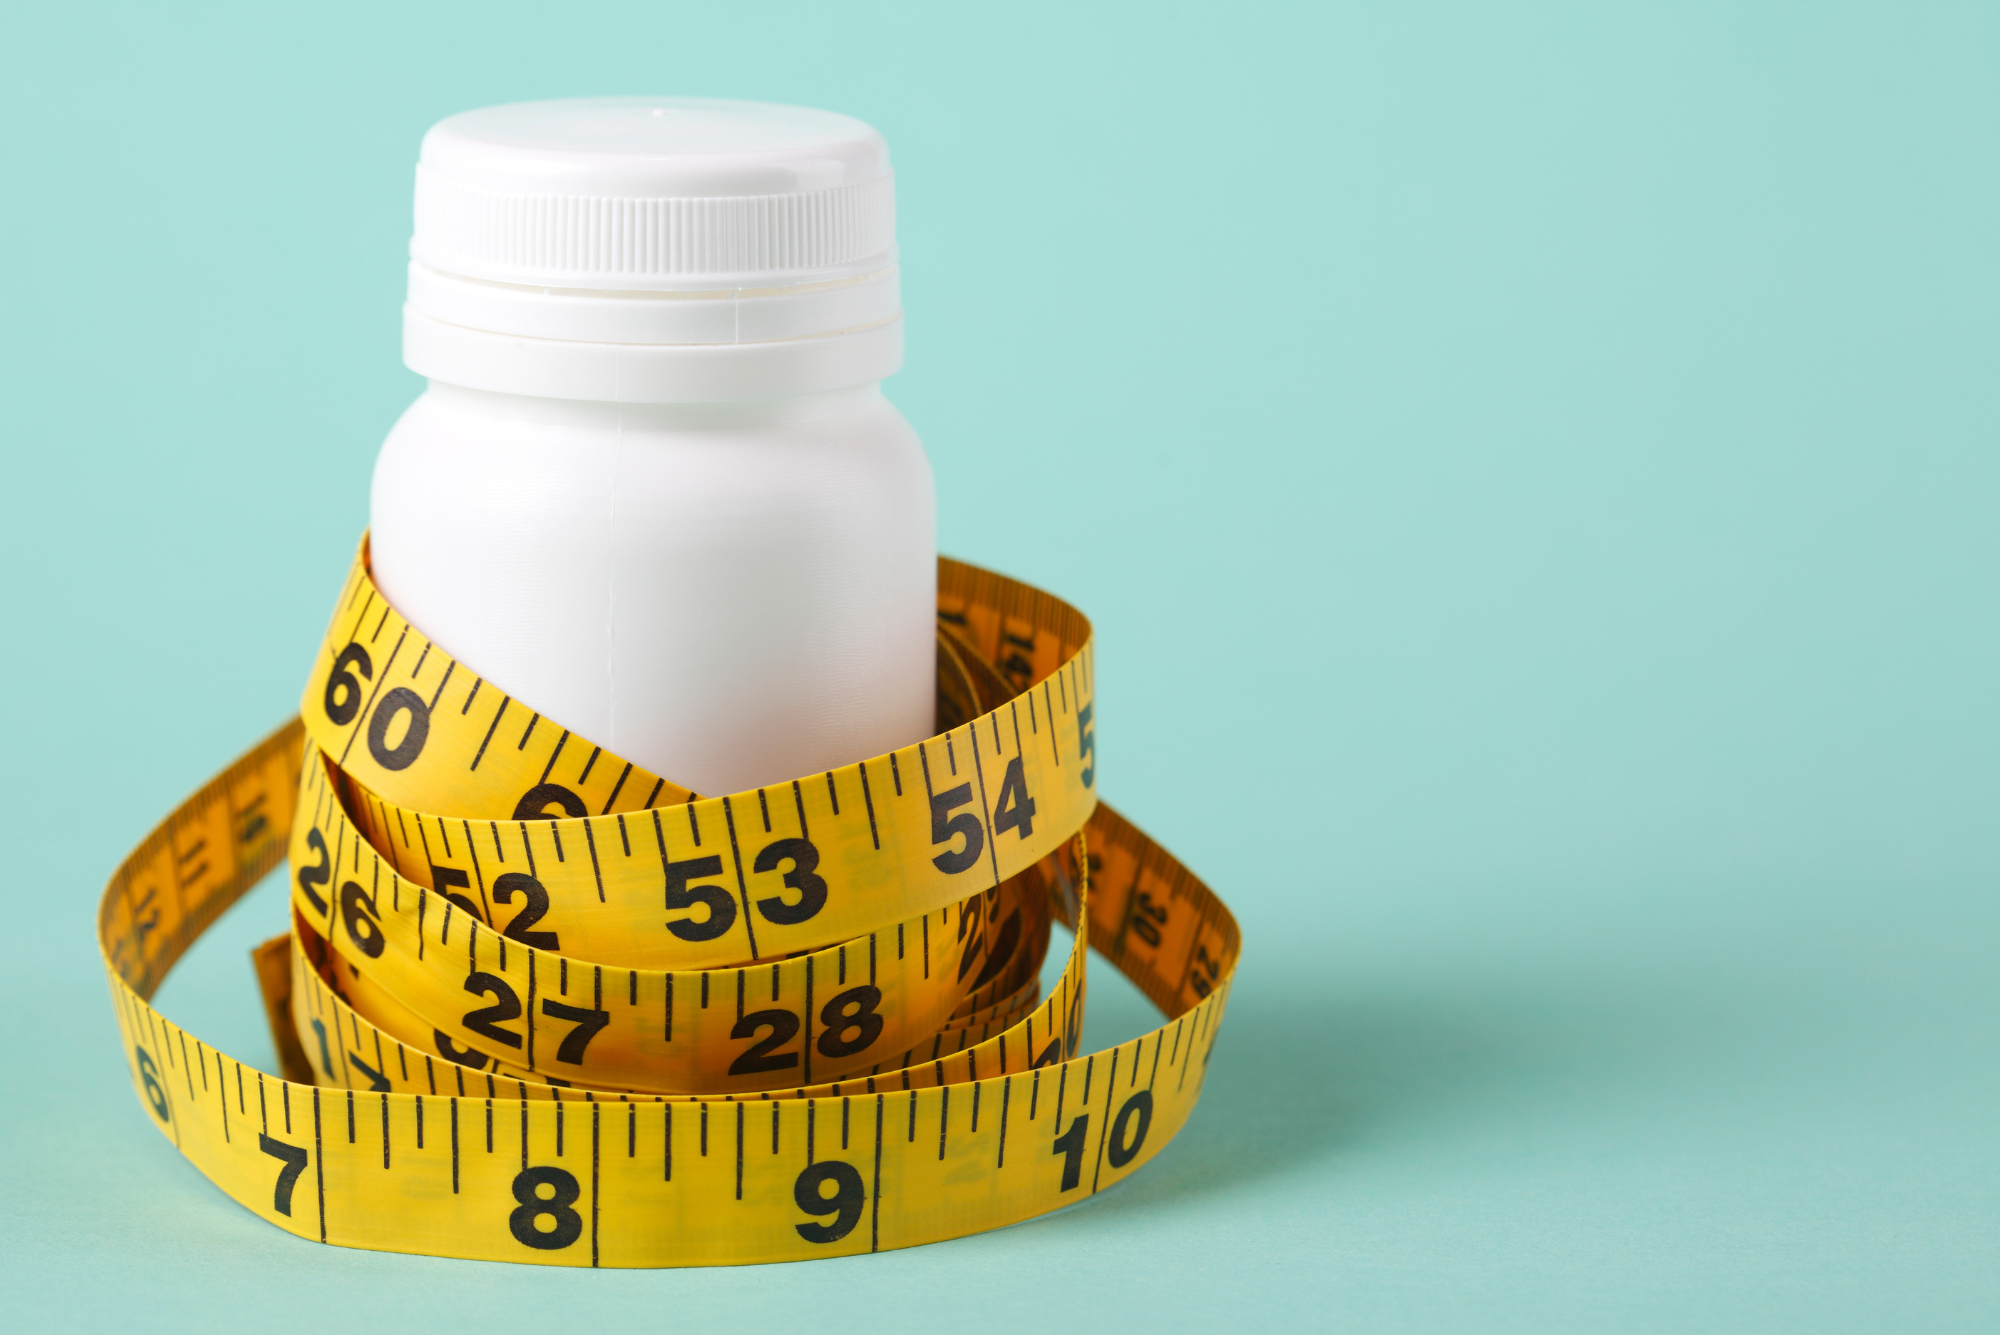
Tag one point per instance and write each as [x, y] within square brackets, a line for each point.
[546, 240]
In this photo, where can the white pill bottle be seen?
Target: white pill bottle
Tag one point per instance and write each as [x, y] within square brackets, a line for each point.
[654, 491]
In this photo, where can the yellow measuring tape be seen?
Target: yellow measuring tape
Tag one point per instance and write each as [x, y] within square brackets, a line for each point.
[538, 1004]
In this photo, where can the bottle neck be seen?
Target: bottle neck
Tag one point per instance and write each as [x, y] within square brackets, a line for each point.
[726, 414]
[555, 368]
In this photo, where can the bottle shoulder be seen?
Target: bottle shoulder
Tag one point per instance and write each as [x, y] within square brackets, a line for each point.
[449, 410]
[474, 451]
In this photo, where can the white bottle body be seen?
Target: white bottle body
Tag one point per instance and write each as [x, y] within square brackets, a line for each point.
[731, 594]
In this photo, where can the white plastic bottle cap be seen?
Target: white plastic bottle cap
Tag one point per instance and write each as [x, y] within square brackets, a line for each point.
[650, 250]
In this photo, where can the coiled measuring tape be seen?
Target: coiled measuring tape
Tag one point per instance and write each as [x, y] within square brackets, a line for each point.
[538, 1004]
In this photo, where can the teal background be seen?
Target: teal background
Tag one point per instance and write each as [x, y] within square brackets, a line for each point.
[1577, 424]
